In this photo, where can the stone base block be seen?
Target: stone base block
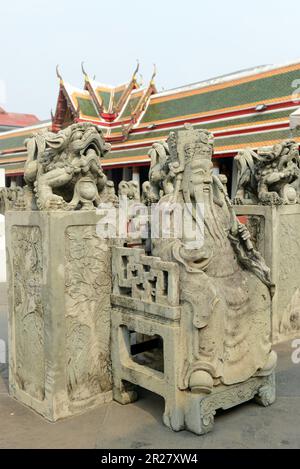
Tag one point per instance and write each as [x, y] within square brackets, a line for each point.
[275, 232]
[59, 312]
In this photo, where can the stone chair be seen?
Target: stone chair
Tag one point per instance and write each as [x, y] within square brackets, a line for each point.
[147, 345]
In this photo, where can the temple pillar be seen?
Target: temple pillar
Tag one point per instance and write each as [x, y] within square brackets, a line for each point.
[136, 174]
[127, 174]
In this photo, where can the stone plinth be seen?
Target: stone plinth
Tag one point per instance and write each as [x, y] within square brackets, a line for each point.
[59, 274]
[2, 250]
[275, 232]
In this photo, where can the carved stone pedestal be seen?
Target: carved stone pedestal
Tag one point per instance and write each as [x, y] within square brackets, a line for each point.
[200, 410]
[275, 233]
[59, 312]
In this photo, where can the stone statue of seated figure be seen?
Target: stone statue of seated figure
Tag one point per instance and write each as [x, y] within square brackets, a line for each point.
[202, 295]
[224, 283]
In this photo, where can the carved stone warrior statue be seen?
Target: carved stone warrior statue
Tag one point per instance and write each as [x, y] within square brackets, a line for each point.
[224, 283]
[270, 176]
[63, 170]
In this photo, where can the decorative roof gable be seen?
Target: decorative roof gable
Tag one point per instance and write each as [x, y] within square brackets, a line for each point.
[103, 104]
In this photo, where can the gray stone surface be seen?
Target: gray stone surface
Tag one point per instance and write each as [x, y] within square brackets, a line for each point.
[139, 425]
[59, 274]
[206, 297]
[3, 315]
[64, 164]
[268, 176]
[3, 297]
[275, 232]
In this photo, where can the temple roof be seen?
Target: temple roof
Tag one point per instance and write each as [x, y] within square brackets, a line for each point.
[249, 108]
[12, 119]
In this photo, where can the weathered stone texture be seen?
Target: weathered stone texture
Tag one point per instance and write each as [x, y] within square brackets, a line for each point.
[59, 312]
[276, 233]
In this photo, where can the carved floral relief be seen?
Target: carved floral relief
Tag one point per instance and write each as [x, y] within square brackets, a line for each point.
[87, 288]
[28, 310]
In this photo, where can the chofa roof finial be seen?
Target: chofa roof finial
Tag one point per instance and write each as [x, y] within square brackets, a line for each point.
[153, 74]
[58, 74]
[83, 71]
[136, 69]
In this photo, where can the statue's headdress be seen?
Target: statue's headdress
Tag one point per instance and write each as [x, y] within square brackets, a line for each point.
[182, 143]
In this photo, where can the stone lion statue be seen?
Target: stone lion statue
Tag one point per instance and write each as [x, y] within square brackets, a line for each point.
[63, 170]
[269, 176]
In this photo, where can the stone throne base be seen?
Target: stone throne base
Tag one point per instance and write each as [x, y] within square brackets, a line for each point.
[183, 409]
[59, 312]
[147, 346]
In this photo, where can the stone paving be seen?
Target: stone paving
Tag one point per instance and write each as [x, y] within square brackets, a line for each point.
[139, 425]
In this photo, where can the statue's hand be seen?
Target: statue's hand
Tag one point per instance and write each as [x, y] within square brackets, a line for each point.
[243, 232]
[237, 201]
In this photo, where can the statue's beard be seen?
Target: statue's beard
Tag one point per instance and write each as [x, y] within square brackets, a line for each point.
[204, 194]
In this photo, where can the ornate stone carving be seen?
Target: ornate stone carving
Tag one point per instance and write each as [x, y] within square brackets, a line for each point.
[220, 275]
[109, 194]
[222, 268]
[28, 310]
[263, 391]
[216, 335]
[145, 278]
[255, 225]
[63, 170]
[59, 272]
[267, 393]
[87, 274]
[269, 176]
[130, 190]
[12, 198]
[288, 280]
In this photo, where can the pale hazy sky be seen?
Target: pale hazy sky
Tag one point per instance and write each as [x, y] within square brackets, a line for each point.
[189, 40]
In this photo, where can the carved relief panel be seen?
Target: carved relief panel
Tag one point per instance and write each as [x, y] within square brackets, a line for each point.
[87, 293]
[28, 310]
